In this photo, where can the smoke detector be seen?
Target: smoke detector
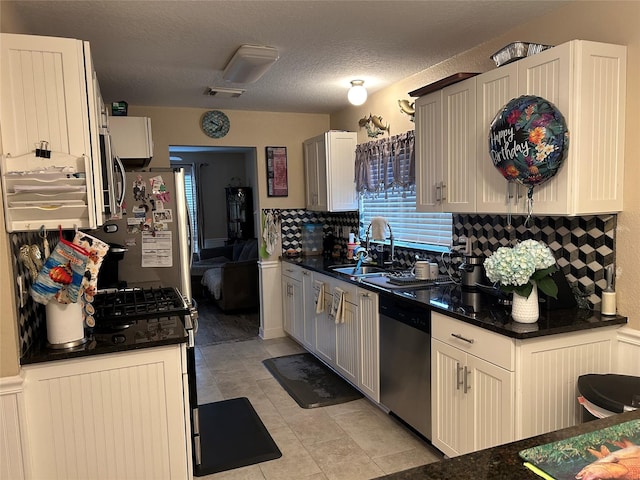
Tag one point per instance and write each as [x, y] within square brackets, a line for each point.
[223, 92]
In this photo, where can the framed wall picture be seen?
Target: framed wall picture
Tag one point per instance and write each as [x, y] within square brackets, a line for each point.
[277, 182]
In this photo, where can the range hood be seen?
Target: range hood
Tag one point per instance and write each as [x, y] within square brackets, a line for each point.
[132, 141]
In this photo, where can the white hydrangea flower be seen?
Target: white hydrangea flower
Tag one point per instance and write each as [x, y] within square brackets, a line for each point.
[515, 266]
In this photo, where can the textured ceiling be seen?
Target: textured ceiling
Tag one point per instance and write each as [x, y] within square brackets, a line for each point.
[166, 53]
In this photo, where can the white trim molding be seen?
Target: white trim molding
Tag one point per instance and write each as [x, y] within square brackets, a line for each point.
[629, 351]
[271, 325]
[13, 450]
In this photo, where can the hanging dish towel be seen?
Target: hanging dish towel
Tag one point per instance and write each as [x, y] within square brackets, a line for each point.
[337, 308]
[378, 228]
[318, 291]
[270, 233]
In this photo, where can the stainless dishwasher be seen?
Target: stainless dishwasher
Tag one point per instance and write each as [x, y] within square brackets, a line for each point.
[405, 362]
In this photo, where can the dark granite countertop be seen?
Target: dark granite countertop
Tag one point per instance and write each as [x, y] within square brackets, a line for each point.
[474, 306]
[502, 462]
[135, 335]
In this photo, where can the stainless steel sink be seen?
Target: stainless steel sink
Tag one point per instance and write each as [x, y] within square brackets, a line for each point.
[362, 271]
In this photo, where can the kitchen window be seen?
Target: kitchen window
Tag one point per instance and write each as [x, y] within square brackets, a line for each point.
[385, 179]
[410, 228]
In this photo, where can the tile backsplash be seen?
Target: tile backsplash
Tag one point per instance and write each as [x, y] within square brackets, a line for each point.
[583, 246]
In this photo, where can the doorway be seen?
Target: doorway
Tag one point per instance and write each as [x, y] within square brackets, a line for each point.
[210, 170]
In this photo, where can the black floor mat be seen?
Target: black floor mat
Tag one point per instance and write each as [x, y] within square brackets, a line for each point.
[232, 436]
[309, 382]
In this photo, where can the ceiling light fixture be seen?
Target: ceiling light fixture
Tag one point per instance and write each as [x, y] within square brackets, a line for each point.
[357, 93]
[249, 63]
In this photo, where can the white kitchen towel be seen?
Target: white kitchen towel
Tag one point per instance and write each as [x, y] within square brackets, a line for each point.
[337, 308]
[318, 291]
[270, 233]
[378, 228]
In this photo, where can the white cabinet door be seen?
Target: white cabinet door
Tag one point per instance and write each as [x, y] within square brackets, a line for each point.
[369, 378]
[549, 75]
[315, 161]
[446, 149]
[472, 401]
[326, 332]
[44, 95]
[459, 147]
[287, 305]
[108, 416]
[340, 171]
[309, 310]
[586, 81]
[47, 95]
[448, 401]
[492, 406]
[329, 172]
[494, 90]
[348, 343]
[428, 146]
[292, 302]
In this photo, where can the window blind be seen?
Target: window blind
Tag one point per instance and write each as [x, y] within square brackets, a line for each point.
[190, 189]
[399, 208]
[389, 192]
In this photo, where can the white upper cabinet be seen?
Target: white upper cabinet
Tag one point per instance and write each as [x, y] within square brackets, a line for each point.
[585, 80]
[428, 145]
[329, 172]
[494, 89]
[446, 149]
[47, 95]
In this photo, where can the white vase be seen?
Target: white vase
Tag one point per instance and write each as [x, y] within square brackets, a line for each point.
[526, 310]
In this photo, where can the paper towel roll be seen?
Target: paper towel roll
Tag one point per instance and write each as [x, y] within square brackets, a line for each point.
[64, 322]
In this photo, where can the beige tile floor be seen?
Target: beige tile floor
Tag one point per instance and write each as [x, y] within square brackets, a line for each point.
[351, 441]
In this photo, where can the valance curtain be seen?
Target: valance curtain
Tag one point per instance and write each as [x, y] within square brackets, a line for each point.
[386, 164]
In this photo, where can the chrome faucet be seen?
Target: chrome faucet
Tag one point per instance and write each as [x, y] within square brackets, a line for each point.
[360, 253]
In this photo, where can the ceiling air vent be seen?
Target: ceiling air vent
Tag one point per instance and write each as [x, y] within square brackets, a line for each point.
[223, 92]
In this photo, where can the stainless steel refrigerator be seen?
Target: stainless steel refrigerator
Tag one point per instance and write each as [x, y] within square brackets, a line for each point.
[154, 229]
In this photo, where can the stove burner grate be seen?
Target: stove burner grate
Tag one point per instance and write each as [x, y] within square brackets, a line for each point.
[138, 303]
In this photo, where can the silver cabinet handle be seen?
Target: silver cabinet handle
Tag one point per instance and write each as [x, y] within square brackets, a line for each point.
[468, 340]
[459, 381]
[465, 377]
[443, 188]
[438, 192]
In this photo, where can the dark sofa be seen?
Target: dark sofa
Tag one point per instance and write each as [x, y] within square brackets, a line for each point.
[229, 275]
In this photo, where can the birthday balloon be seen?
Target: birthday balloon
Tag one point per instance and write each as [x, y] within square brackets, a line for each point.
[528, 140]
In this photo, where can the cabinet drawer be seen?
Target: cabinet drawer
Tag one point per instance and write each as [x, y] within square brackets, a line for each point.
[292, 271]
[489, 346]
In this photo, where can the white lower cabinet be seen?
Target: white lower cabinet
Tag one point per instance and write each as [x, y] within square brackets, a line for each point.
[489, 389]
[309, 310]
[369, 377]
[118, 415]
[350, 345]
[348, 333]
[292, 301]
[472, 398]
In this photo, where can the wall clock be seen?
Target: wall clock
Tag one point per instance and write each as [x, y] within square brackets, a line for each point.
[215, 124]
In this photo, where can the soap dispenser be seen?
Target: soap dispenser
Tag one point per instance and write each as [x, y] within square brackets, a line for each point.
[608, 305]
